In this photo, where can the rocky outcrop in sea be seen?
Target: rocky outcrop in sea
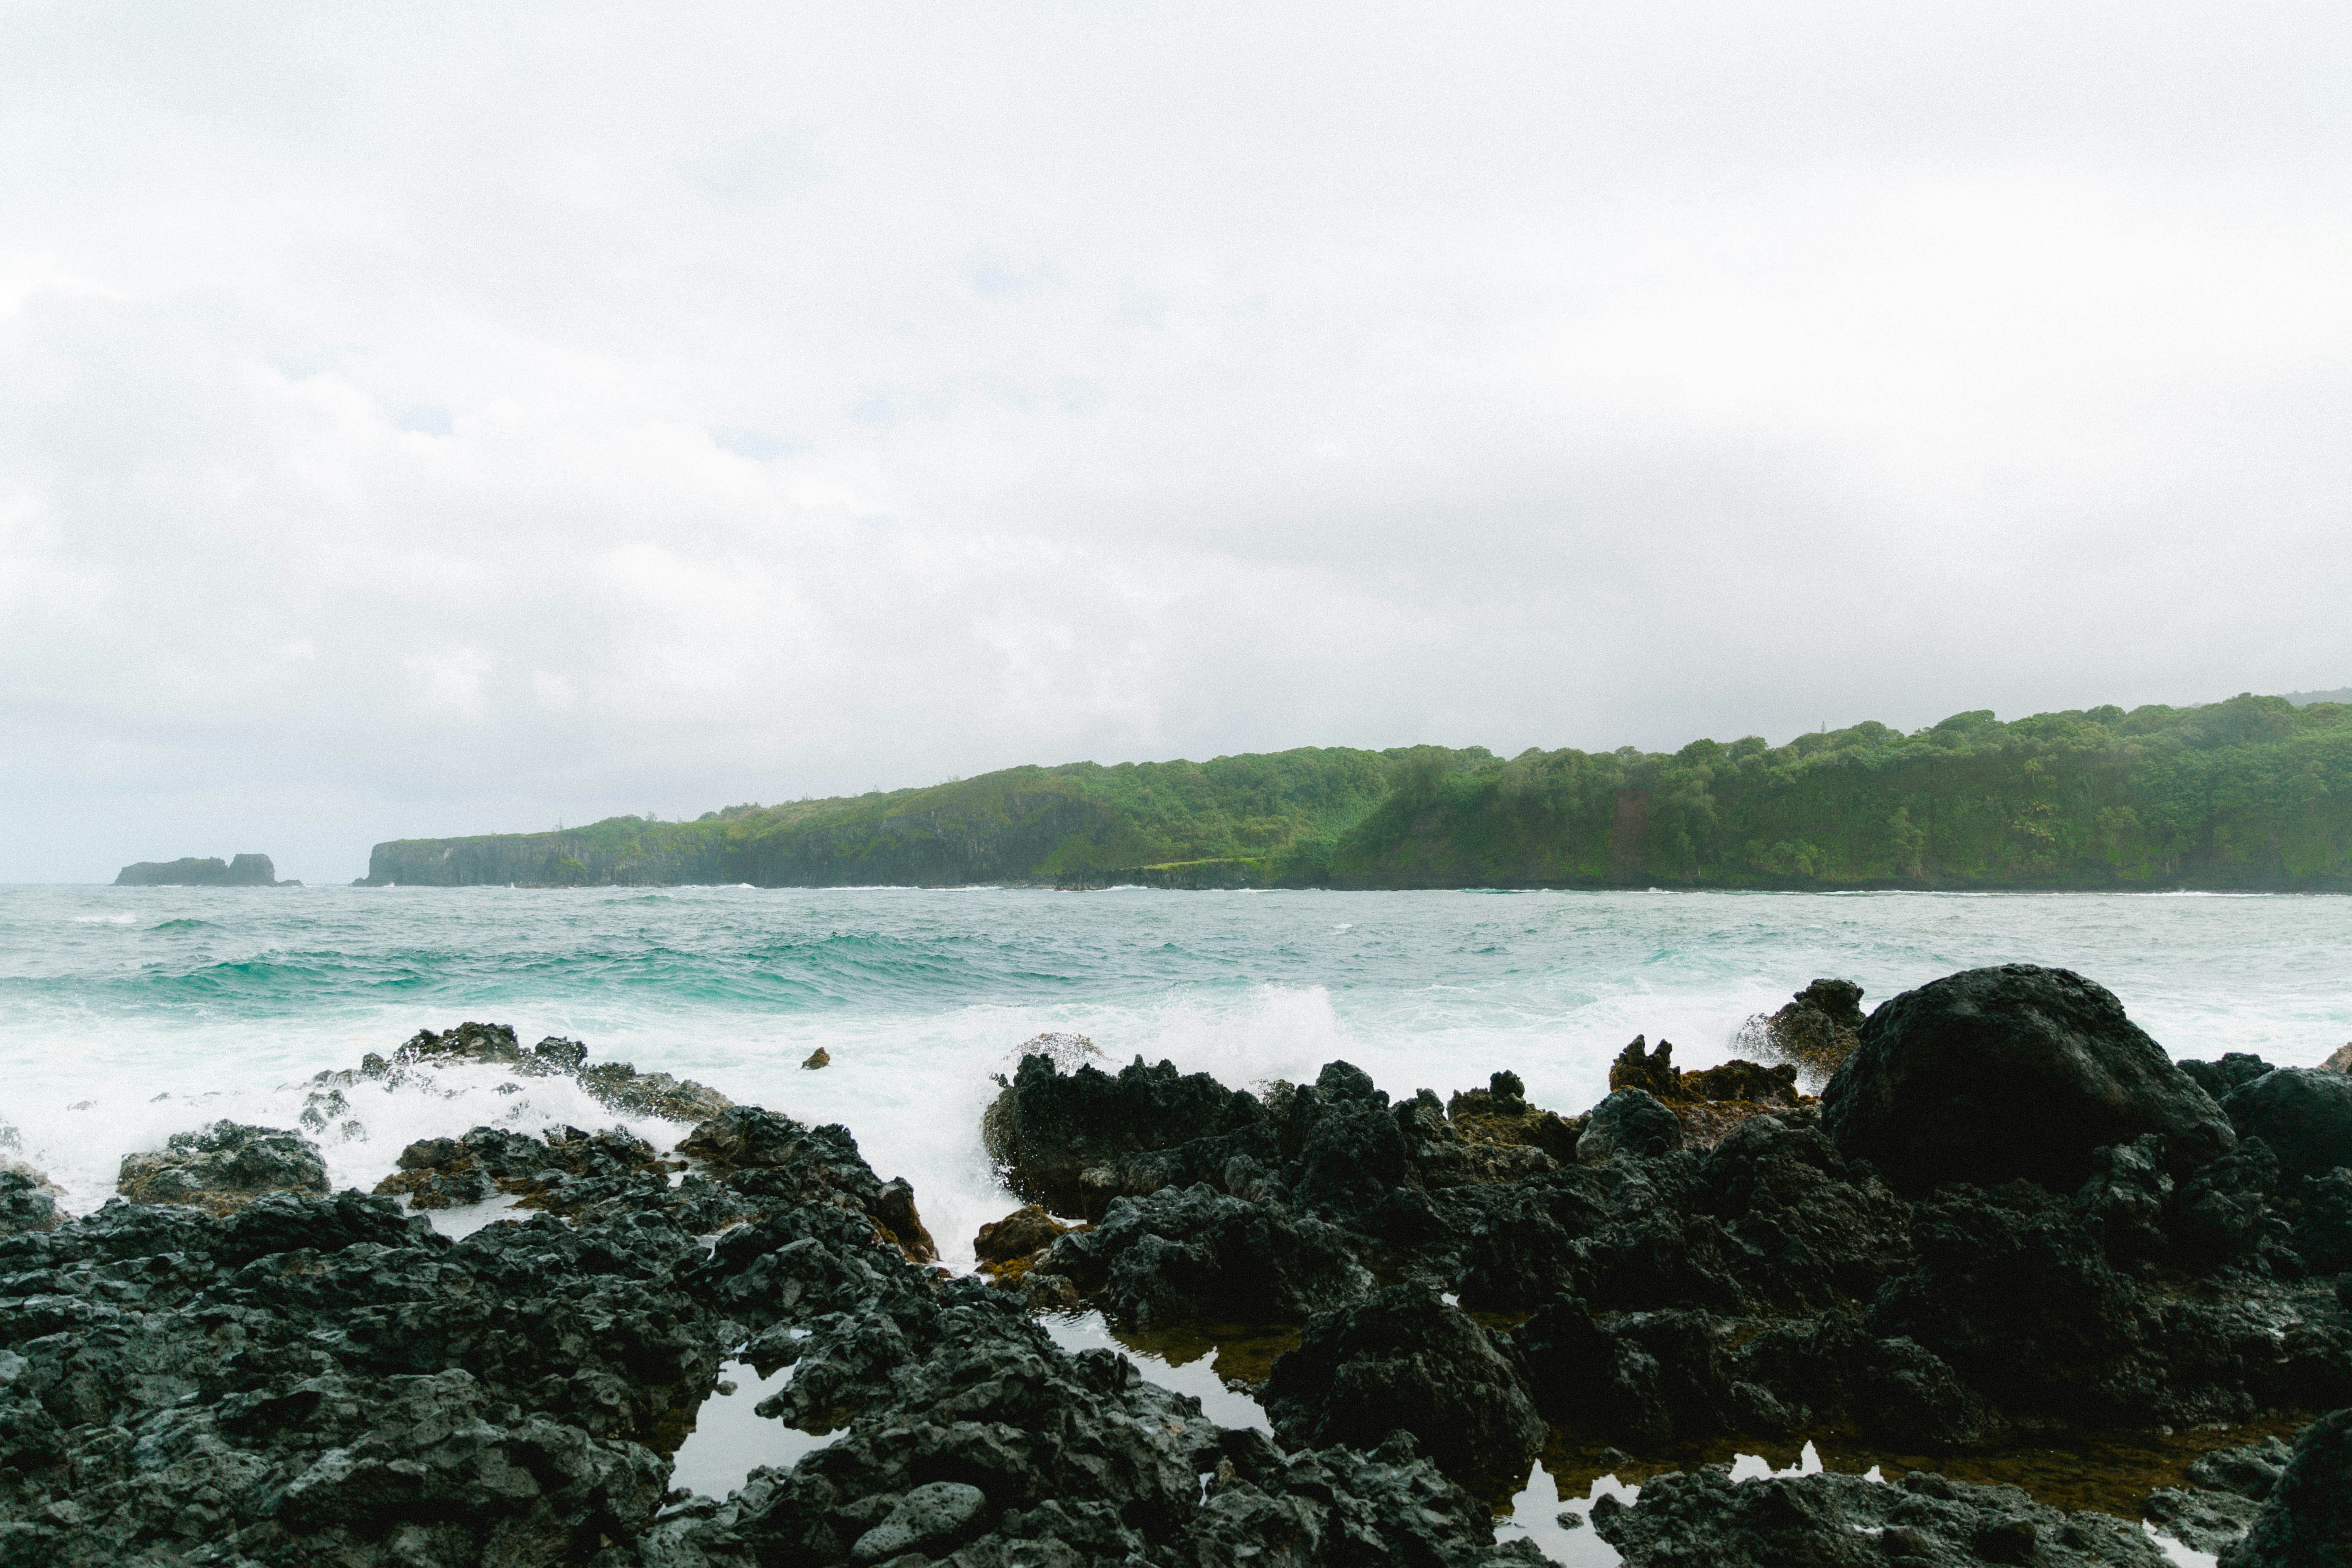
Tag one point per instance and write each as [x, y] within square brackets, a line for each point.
[203, 871]
[2010, 1220]
[239, 1368]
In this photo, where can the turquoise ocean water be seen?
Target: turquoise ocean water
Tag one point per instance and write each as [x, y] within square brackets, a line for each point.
[129, 1013]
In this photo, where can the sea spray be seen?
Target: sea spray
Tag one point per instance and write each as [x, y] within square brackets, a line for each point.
[127, 1015]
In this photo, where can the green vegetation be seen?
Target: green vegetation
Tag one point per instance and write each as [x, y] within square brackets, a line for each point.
[2254, 792]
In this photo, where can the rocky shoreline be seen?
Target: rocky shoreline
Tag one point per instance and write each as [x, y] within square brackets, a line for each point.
[2009, 1221]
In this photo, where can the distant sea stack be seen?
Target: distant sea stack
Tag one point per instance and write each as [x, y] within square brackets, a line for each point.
[209, 871]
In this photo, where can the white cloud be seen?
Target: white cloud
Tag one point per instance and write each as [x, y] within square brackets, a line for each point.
[748, 403]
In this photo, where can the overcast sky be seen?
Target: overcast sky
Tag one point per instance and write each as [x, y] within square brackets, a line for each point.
[419, 420]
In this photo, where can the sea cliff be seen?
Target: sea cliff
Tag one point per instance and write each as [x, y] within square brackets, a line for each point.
[2251, 794]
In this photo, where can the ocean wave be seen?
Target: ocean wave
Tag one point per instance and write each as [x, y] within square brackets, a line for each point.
[917, 996]
[103, 919]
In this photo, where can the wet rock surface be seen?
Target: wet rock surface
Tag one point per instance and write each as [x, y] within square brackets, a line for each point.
[1814, 1033]
[1672, 1294]
[2304, 1114]
[1017, 1240]
[772, 1160]
[2226, 1491]
[619, 1087]
[564, 1170]
[2016, 1071]
[223, 1167]
[1705, 1518]
[28, 1199]
[2306, 1518]
[1051, 1131]
[1705, 1104]
[1194, 1254]
[310, 1377]
[314, 1379]
[1499, 1117]
[1633, 1123]
[1405, 1361]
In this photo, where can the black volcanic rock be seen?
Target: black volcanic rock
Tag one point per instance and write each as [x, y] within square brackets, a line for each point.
[2219, 1077]
[1830, 1520]
[27, 1201]
[2306, 1520]
[223, 1167]
[1814, 1033]
[2227, 1493]
[317, 1379]
[764, 1156]
[1404, 1361]
[2305, 1114]
[1048, 1129]
[2323, 1224]
[1630, 1122]
[564, 1170]
[2015, 1071]
[1195, 1254]
[617, 1086]
[209, 871]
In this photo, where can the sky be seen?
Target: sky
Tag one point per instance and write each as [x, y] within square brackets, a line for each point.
[431, 419]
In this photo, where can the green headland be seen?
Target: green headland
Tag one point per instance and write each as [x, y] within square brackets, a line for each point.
[2253, 793]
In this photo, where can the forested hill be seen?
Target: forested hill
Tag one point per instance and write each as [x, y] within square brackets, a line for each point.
[2251, 794]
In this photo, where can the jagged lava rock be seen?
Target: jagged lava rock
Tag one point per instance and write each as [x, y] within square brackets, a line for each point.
[2013, 1071]
[1738, 1079]
[1655, 1071]
[223, 1167]
[616, 1085]
[27, 1201]
[2339, 1059]
[1630, 1122]
[1499, 1115]
[1404, 1361]
[1638, 1067]
[2305, 1114]
[325, 1380]
[2219, 1077]
[2229, 1490]
[1193, 1253]
[1815, 1032]
[1704, 1519]
[564, 1172]
[2250, 1471]
[2323, 1226]
[2306, 1521]
[762, 1155]
[2200, 1521]
[1048, 1127]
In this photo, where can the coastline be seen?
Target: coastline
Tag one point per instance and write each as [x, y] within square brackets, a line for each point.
[1322, 1206]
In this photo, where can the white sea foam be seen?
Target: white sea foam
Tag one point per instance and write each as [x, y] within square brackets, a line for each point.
[225, 1006]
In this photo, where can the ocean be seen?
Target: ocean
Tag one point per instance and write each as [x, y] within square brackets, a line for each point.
[127, 1015]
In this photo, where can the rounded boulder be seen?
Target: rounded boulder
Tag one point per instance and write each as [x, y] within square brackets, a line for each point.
[1994, 1074]
[1630, 1122]
[2305, 1114]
